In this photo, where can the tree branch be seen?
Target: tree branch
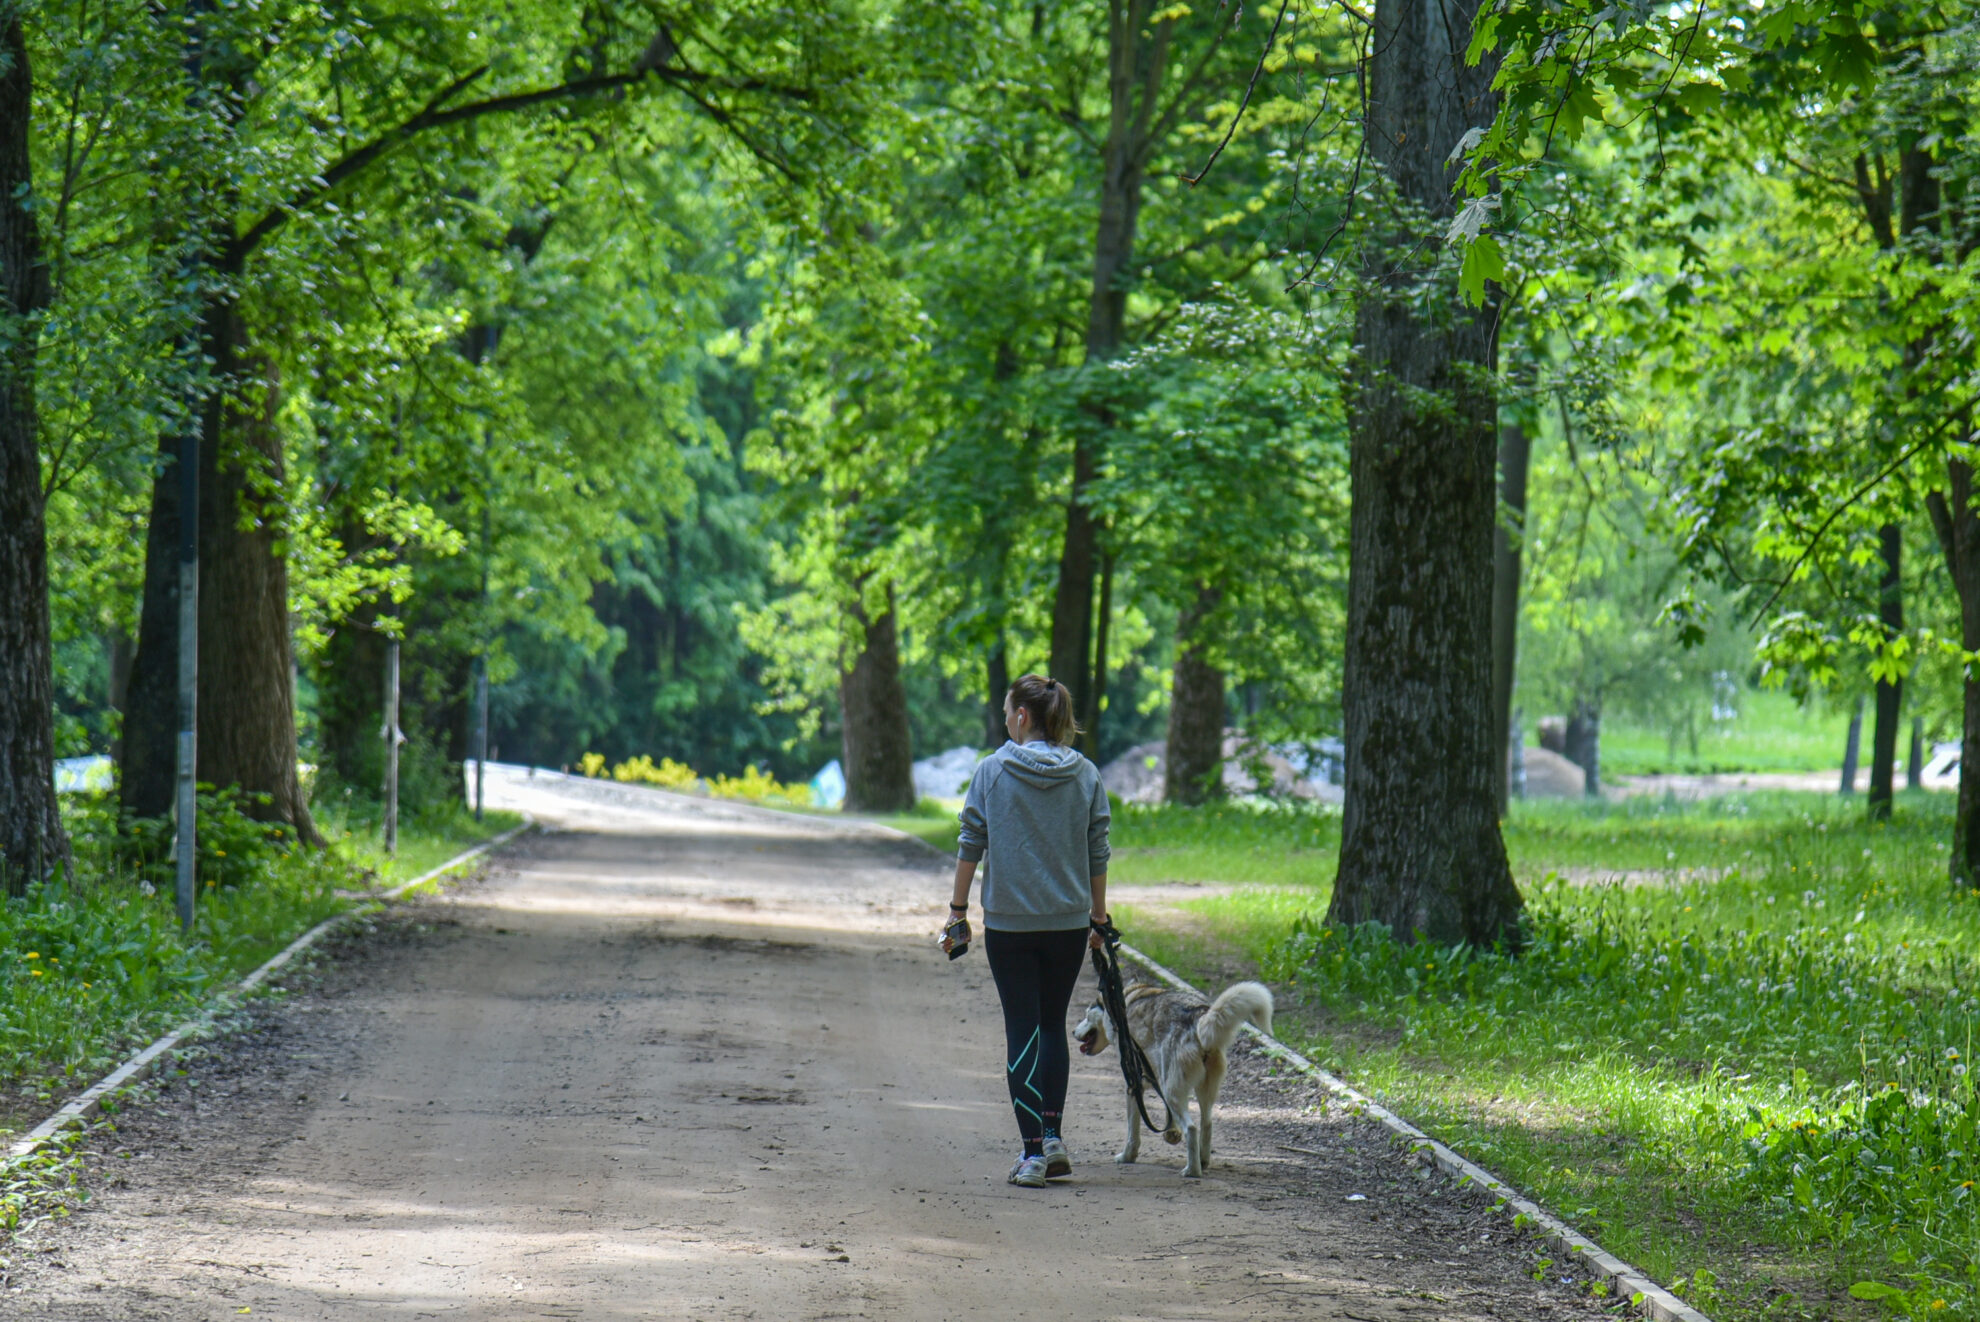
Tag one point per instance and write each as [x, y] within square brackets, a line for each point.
[1838, 512]
[435, 115]
[1271, 38]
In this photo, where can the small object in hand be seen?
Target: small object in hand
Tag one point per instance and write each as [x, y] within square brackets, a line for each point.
[955, 937]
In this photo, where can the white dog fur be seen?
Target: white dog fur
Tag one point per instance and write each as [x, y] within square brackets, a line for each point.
[1185, 1038]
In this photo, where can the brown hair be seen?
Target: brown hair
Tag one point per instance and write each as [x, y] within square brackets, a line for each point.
[1049, 706]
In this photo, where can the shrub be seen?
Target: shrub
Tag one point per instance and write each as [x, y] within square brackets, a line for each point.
[669, 775]
[759, 787]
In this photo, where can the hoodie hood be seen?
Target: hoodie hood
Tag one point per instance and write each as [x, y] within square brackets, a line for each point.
[1041, 764]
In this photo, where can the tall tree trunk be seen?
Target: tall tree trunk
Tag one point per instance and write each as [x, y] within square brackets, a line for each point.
[247, 701]
[1096, 707]
[1421, 851]
[878, 757]
[247, 726]
[1072, 602]
[32, 841]
[1508, 535]
[1193, 762]
[1852, 748]
[151, 711]
[1890, 693]
[1914, 766]
[1137, 58]
[1583, 744]
[1958, 528]
[997, 675]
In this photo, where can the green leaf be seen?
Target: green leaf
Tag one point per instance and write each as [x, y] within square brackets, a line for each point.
[1874, 1290]
[1484, 260]
[1700, 98]
[1577, 108]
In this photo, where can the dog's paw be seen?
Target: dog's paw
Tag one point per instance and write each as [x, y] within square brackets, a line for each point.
[1172, 1136]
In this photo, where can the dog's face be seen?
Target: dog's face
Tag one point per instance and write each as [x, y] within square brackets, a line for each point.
[1091, 1031]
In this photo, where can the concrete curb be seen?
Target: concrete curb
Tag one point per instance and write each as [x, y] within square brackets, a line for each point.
[87, 1104]
[1625, 1282]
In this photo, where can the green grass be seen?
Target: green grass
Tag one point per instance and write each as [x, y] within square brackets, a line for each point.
[1218, 843]
[1753, 1082]
[932, 820]
[1771, 733]
[91, 967]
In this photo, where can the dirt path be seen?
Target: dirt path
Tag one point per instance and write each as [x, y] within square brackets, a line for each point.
[700, 1061]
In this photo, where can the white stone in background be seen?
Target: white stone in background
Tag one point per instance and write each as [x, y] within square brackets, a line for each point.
[946, 775]
[1551, 776]
[1136, 776]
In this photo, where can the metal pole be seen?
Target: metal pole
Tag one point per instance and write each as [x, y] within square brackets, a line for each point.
[391, 733]
[481, 676]
[186, 843]
[481, 734]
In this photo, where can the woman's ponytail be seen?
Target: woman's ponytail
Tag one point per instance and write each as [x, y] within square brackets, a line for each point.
[1049, 705]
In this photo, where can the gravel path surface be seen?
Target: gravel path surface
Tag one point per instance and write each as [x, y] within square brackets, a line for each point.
[689, 1060]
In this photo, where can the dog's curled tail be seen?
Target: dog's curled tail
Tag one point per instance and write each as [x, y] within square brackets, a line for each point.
[1240, 1003]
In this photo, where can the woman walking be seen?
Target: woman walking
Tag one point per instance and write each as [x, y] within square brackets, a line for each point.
[1036, 807]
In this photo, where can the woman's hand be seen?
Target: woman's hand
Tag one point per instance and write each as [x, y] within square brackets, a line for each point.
[1097, 926]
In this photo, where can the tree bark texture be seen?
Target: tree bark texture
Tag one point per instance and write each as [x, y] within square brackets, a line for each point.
[1890, 693]
[878, 756]
[32, 841]
[247, 700]
[151, 712]
[1193, 760]
[1137, 57]
[1421, 851]
[247, 727]
[1508, 534]
[1959, 539]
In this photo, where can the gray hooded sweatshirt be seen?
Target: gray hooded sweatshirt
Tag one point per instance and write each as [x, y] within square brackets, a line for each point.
[1040, 812]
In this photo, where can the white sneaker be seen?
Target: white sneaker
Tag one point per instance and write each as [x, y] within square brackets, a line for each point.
[1029, 1172]
[1058, 1164]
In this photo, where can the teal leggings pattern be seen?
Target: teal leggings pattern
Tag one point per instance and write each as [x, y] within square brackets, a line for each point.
[1036, 973]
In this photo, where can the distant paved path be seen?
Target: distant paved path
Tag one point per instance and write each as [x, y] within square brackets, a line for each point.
[693, 1060]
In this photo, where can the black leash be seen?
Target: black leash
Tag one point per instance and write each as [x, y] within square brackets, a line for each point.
[1135, 1065]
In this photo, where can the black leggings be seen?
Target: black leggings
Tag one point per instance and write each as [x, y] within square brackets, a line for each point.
[1035, 973]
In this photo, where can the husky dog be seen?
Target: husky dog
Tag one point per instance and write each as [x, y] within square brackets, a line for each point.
[1185, 1038]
